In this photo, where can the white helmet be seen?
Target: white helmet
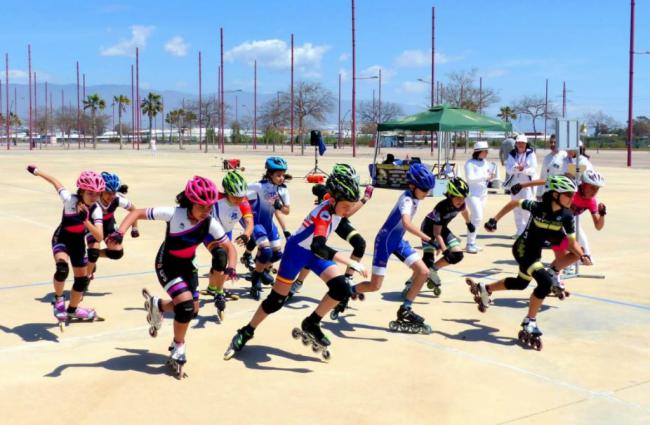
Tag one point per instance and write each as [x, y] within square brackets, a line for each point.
[594, 178]
[481, 146]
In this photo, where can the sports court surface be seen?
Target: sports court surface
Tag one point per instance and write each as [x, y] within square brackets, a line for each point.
[594, 368]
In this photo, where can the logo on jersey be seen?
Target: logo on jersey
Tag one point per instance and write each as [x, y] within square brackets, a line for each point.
[325, 215]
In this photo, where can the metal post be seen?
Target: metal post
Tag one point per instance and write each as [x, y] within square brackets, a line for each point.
[132, 111]
[223, 148]
[46, 127]
[35, 102]
[29, 59]
[354, 97]
[302, 151]
[433, 54]
[78, 113]
[630, 96]
[545, 109]
[255, 106]
[7, 96]
[338, 143]
[137, 94]
[83, 85]
[563, 99]
[200, 107]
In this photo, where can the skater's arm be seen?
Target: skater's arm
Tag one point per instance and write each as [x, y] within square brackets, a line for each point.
[437, 234]
[132, 218]
[283, 224]
[505, 210]
[50, 179]
[599, 216]
[93, 222]
[409, 227]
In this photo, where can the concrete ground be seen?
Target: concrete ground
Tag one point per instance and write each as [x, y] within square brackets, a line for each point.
[594, 368]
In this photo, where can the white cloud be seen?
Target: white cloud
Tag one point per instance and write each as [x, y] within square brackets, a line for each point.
[343, 57]
[416, 58]
[139, 36]
[177, 46]
[276, 54]
[414, 87]
[344, 74]
[21, 76]
[495, 73]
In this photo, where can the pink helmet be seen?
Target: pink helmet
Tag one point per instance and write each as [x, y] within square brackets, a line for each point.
[201, 191]
[91, 181]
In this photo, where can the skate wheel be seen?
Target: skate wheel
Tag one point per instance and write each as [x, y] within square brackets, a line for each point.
[295, 333]
[481, 308]
[326, 354]
[153, 332]
[392, 325]
[61, 323]
[315, 347]
[334, 315]
[230, 352]
[426, 329]
[305, 340]
[567, 294]
[521, 336]
[361, 297]
[537, 344]
[145, 293]
[149, 317]
[437, 291]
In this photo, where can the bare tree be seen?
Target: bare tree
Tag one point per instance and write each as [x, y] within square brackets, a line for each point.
[274, 114]
[601, 122]
[312, 103]
[462, 90]
[369, 114]
[209, 111]
[66, 120]
[534, 107]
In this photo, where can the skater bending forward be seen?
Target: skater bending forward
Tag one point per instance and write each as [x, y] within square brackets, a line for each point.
[551, 220]
[308, 248]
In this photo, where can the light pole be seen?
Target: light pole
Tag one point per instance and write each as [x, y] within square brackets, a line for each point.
[630, 105]
[422, 80]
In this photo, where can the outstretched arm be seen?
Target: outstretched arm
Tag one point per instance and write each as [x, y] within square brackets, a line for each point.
[50, 179]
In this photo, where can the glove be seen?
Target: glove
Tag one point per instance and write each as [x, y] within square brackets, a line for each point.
[356, 266]
[470, 227]
[491, 225]
[515, 188]
[116, 237]
[368, 192]
[243, 238]
[277, 204]
[135, 233]
[231, 273]
[602, 209]
[287, 234]
[32, 169]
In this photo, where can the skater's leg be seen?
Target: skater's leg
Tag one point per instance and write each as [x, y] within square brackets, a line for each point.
[79, 286]
[374, 284]
[93, 255]
[339, 290]
[61, 260]
[534, 306]
[420, 273]
[184, 308]
[272, 303]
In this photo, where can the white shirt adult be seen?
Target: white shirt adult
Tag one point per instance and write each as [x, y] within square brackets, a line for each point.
[552, 165]
[477, 173]
[522, 166]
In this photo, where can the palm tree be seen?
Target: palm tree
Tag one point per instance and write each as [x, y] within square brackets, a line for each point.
[94, 102]
[151, 105]
[175, 118]
[507, 113]
[121, 101]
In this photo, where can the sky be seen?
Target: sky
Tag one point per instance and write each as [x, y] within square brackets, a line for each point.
[513, 45]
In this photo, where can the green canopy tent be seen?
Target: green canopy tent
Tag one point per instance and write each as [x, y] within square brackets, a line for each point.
[443, 119]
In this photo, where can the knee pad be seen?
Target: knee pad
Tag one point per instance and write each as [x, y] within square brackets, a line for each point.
[80, 284]
[62, 271]
[276, 256]
[184, 311]
[453, 257]
[273, 302]
[219, 260]
[93, 255]
[427, 257]
[358, 245]
[113, 254]
[339, 288]
[250, 245]
[518, 283]
[264, 254]
[544, 282]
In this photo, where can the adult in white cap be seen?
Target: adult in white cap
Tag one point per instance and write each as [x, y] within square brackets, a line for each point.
[573, 159]
[507, 146]
[552, 165]
[477, 173]
[522, 166]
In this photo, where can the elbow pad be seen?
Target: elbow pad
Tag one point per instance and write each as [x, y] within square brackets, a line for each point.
[320, 248]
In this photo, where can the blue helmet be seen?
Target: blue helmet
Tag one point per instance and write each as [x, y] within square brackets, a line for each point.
[420, 176]
[275, 163]
[112, 181]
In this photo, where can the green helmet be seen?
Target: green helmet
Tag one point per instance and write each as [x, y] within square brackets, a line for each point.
[347, 170]
[457, 187]
[234, 184]
[343, 187]
[559, 184]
